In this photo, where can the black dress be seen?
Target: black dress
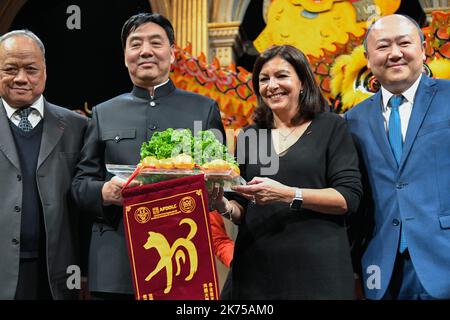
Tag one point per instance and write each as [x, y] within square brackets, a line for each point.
[283, 254]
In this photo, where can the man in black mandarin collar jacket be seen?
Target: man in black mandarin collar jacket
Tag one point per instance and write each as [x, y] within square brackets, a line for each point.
[115, 135]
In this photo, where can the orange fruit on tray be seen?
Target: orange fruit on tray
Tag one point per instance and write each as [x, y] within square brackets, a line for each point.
[183, 161]
[166, 163]
[186, 162]
[150, 162]
[219, 165]
[235, 168]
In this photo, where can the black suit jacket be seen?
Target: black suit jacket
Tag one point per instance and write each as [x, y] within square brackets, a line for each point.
[114, 136]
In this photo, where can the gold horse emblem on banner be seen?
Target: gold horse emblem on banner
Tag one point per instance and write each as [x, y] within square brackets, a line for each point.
[166, 252]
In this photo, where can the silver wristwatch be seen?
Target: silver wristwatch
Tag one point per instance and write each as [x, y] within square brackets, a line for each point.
[297, 202]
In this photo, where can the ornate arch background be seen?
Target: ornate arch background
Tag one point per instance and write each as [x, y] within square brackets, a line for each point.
[8, 11]
[211, 26]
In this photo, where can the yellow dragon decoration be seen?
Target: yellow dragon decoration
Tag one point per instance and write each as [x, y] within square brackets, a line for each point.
[330, 33]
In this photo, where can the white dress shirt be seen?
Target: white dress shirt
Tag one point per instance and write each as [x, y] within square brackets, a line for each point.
[35, 116]
[404, 109]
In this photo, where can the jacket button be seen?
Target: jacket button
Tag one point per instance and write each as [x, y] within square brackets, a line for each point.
[395, 222]
[19, 177]
[152, 104]
[15, 241]
[17, 209]
[401, 185]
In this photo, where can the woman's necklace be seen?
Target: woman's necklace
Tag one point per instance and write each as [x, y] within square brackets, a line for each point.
[284, 137]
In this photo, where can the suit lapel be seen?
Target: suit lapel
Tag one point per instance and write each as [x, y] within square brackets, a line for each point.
[52, 132]
[7, 145]
[422, 102]
[376, 122]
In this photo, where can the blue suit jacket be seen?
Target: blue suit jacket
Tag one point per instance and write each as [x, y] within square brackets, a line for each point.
[414, 194]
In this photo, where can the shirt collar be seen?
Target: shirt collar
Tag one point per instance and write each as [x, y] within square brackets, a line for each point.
[409, 94]
[159, 90]
[38, 105]
[161, 84]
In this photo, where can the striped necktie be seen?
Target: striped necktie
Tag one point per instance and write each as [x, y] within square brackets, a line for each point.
[24, 123]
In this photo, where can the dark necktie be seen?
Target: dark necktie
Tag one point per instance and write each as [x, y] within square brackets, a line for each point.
[24, 123]
[396, 142]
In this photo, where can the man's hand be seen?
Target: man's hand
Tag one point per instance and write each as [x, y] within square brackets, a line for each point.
[84, 293]
[112, 190]
[359, 290]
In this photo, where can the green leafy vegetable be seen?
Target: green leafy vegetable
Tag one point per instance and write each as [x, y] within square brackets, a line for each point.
[204, 147]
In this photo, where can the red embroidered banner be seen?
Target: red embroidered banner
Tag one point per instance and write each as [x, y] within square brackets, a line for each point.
[169, 240]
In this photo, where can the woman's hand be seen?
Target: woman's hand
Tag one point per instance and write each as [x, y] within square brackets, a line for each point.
[216, 198]
[265, 190]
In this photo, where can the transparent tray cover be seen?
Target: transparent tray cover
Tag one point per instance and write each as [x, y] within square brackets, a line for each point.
[227, 179]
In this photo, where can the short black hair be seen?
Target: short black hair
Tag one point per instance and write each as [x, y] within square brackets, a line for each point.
[311, 101]
[414, 22]
[139, 19]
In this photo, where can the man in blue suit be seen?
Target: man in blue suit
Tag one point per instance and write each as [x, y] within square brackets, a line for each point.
[403, 136]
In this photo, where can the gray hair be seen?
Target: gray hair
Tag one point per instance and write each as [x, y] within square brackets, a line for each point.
[414, 22]
[24, 33]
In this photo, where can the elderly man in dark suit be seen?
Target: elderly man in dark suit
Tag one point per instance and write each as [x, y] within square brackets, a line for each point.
[115, 135]
[39, 148]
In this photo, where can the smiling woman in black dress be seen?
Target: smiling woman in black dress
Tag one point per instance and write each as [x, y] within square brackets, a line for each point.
[292, 241]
